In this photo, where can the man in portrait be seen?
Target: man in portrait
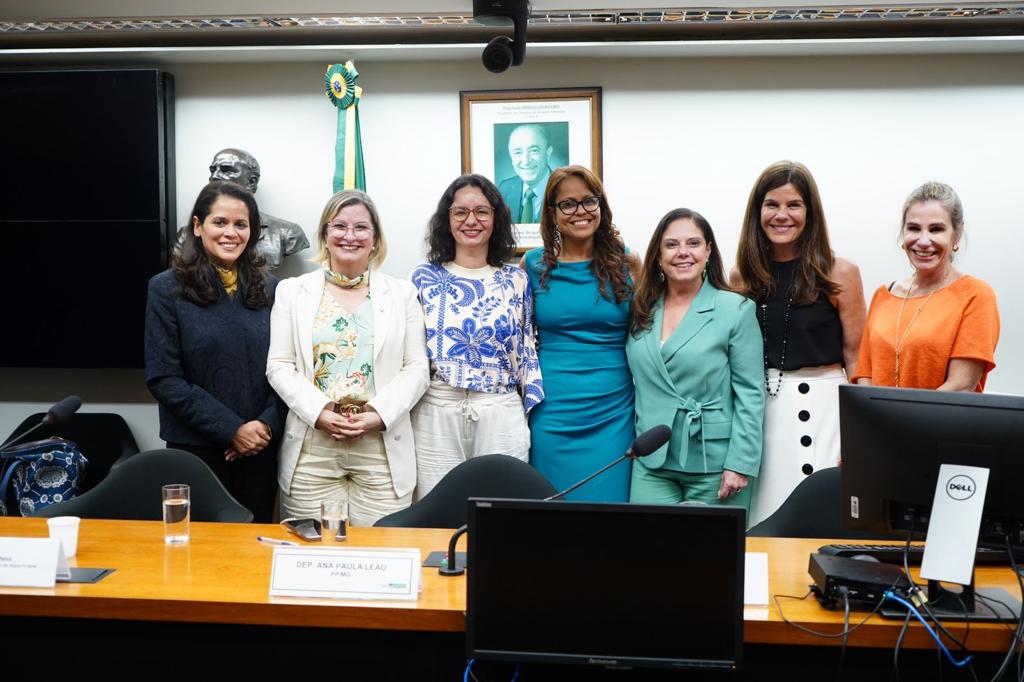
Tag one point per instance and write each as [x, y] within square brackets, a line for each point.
[278, 237]
[530, 151]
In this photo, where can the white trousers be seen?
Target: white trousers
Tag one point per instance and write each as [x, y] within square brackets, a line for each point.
[355, 471]
[801, 434]
[452, 425]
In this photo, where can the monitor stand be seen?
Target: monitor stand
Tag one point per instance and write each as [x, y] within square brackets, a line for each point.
[987, 604]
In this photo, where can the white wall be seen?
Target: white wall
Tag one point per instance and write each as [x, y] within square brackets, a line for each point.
[680, 132]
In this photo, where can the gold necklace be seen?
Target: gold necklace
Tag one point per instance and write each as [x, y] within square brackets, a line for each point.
[899, 319]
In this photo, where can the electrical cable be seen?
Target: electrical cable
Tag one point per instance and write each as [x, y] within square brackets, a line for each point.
[846, 631]
[826, 635]
[896, 650]
[1020, 617]
[890, 595]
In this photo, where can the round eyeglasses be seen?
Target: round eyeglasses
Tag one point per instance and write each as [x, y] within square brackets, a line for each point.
[569, 206]
[481, 213]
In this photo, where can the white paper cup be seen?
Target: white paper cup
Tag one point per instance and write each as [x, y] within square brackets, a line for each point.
[65, 529]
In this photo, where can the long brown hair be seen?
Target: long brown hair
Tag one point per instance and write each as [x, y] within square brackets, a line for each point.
[194, 270]
[652, 286]
[814, 272]
[609, 263]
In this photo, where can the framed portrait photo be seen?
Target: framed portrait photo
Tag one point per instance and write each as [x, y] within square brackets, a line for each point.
[517, 137]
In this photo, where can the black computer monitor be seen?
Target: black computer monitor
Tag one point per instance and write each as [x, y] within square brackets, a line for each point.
[605, 584]
[894, 439]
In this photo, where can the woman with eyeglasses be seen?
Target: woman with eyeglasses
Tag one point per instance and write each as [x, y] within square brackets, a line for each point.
[485, 377]
[207, 332]
[582, 281]
[347, 357]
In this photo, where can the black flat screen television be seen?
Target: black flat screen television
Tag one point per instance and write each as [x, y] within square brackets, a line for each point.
[611, 585]
[895, 439]
[86, 218]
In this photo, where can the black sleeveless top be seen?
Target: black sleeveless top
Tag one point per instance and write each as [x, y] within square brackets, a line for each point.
[814, 337]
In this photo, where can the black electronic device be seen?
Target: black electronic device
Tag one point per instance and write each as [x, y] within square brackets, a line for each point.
[88, 174]
[895, 439]
[616, 585]
[864, 582]
[307, 529]
[893, 442]
[502, 52]
[893, 554]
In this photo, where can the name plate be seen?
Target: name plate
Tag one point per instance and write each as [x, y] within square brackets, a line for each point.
[32, 562]
[345, 573]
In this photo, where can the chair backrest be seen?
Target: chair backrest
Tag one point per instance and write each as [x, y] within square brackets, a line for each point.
[132, 491]
[103, 437]
[813, 510]
[484, 476]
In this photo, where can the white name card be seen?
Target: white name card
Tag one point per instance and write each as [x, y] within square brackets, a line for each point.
[32, 562]
[345, 573]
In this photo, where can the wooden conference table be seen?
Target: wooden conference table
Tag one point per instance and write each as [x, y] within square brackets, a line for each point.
[222, 577]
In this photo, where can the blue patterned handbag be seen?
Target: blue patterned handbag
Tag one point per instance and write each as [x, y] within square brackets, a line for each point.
[43, 472]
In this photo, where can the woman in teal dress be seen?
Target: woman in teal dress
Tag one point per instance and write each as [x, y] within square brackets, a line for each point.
[582, 286]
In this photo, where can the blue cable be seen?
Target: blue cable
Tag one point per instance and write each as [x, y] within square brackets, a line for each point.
[516, 676]
[910, 607]
[465, 676]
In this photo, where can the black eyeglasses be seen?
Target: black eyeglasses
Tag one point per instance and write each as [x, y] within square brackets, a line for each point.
[569, 206]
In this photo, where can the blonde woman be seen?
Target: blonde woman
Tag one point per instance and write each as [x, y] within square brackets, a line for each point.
[347, 356]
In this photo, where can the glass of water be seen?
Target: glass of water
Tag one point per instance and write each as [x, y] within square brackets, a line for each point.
[333, 521]
[176, 513]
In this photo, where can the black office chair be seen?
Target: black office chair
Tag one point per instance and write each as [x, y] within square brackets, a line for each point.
[104, 438]
[485, 476]
[813, 510]
[132, 491]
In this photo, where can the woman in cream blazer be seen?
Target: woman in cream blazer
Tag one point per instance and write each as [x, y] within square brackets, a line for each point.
[347, 355]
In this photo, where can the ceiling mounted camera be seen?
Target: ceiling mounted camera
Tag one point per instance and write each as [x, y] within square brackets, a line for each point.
[503, 52]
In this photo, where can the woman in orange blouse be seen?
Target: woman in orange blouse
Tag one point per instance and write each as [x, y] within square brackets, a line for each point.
[938, 328]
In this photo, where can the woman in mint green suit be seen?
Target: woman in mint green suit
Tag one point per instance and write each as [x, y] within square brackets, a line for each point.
[695, 352]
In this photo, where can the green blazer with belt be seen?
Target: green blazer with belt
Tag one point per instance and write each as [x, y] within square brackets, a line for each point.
[706, 382]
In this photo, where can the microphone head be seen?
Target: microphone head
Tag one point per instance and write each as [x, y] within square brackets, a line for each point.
[650, 440]
[63, 410]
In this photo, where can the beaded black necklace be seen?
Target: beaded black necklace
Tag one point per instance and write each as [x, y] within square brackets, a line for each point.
[763, 319]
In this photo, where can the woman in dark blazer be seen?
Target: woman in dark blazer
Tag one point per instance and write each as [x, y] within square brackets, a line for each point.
[207, 336]
[695, 354]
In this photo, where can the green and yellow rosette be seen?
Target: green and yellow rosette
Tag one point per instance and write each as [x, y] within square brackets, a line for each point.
[341, 89]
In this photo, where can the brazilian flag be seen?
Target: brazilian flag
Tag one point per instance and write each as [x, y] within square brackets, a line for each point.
[341, 89]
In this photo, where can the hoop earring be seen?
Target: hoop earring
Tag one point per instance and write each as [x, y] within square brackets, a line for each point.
[661, 275]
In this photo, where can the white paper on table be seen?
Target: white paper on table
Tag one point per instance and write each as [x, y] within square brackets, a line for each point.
[32, 562]
[755, 579]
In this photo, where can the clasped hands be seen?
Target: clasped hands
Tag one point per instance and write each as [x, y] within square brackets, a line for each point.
[250, 439]
[349, 427]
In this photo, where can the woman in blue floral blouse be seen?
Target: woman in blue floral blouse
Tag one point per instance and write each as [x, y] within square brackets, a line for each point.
[484, 375]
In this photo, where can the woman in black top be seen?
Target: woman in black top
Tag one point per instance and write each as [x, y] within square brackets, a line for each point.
[207, 336]
[811, 313]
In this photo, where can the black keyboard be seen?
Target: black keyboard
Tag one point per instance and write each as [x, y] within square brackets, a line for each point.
[893, 554]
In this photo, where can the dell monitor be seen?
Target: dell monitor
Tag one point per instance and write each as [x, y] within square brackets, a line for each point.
[895, 439]
[611, 585]
[893, 442]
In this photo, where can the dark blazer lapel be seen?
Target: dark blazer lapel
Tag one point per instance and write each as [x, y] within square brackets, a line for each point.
[700, 313]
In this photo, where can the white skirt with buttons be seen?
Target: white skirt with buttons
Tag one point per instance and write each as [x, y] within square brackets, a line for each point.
[801, 434]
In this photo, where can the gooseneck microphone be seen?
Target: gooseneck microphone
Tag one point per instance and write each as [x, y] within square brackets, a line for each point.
[646, 443]
[60, 411]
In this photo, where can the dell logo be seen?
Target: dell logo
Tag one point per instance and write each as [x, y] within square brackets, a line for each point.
[960, 487]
